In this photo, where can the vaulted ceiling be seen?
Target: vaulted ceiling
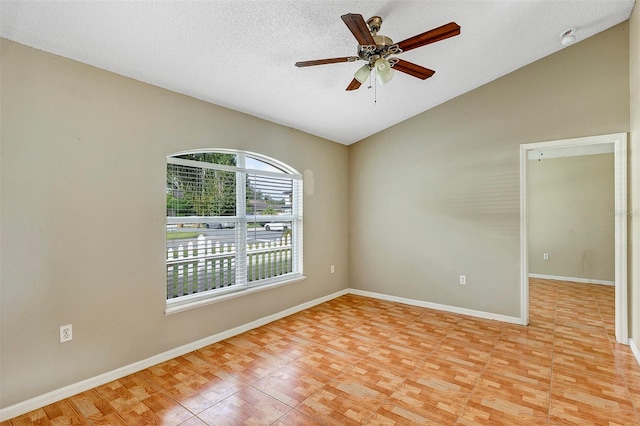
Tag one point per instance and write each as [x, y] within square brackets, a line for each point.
[241, 54]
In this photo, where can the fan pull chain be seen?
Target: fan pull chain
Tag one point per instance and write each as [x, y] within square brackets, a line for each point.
[375, 91]
[375, 88]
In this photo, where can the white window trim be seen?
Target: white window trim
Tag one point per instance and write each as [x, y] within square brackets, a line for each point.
[198, 300]
[209, 297]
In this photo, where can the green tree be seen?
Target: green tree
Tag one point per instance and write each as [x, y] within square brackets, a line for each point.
[178, 206]
[269, 211]
[201, 191]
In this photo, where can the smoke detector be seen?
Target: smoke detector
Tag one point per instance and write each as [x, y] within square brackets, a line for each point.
[568, 37]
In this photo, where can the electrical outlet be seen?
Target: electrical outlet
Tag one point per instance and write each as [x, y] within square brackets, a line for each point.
[66, 333]
[463, 279]
[333, 269]
[545, 256]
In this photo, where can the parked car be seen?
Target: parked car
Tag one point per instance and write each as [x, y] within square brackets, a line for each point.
[220, 225]
[276, 226]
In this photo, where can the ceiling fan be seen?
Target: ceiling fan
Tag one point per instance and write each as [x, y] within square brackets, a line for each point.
[376, 50]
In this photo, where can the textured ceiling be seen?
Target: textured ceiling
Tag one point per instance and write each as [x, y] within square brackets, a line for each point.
[241, 54]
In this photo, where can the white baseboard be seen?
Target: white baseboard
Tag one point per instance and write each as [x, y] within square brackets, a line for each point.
[437, 306]
[572, 279]
[84, 385]
[635, 350]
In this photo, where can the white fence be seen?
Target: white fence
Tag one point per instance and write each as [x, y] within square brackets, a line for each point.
[209, 265]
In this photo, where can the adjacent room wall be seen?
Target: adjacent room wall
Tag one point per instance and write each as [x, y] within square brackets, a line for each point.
[83, 219]
[634, 176]
[437, 196]
[571, 217]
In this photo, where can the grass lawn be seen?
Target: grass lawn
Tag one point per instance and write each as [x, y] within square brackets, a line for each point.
[181, 235]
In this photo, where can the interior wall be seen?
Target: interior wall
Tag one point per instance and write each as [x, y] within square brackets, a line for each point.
[83, 219]
[634, 174]
[571, 217]
[437, 196]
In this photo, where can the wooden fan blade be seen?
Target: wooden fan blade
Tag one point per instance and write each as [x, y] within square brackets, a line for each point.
[359, 29]
[447, 30]
[355, 84]
[413, 69]
[326, 61]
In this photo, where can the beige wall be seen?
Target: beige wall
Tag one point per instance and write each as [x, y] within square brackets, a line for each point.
[634, 162]
[437, 196]
[83, 219]
[571, 217]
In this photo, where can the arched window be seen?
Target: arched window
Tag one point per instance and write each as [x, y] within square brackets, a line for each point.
[234, 223]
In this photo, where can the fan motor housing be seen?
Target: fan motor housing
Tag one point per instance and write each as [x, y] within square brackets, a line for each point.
[381, 50]
[382, 41]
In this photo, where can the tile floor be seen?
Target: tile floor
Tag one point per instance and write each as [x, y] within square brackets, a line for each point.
[356, 360]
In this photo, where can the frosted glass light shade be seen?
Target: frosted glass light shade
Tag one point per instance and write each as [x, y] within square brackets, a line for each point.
[382, 66]
[362, 74]
[386, 77]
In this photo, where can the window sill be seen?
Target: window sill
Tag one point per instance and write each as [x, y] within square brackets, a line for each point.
[197, 300]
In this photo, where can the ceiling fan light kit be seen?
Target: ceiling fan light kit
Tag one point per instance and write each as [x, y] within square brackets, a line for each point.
[383, 71]
[362, 74]
[377, 50]
[384, 78]
[382, 66]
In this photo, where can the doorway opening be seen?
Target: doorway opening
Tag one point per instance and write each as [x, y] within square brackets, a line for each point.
[617, 143]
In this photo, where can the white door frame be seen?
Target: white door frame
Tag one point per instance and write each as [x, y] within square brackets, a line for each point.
[619, 141]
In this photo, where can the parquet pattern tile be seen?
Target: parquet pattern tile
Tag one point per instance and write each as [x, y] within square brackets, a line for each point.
[355, 360]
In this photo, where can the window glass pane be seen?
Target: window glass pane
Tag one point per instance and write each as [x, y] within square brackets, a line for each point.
[211, 157]
[199, 259]
[255, 164]
[195, 191]
[269, 250]
[267, 195]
